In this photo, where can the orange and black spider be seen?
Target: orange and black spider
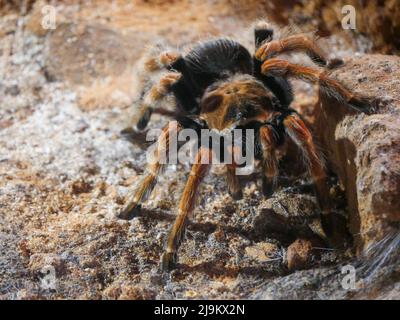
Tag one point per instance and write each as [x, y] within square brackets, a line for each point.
[219, 85]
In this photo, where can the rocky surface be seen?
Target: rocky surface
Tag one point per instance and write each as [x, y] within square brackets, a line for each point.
[65, 171]
[98, 50]
[364, 150]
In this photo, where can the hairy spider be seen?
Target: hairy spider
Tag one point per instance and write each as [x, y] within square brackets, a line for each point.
[219, 85]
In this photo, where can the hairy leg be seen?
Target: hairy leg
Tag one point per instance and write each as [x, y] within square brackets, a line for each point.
[151, 173]
[269, 162]
[163, 60]
[156, 94]
[327, 85]
[295, 43]
[232, 179]
[299, 133]
[263, 33]
[186, 206]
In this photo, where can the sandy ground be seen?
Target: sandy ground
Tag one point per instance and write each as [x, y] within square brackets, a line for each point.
[65, 171]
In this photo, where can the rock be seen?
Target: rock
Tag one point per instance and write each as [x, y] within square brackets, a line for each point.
[289, 214]
[13, 90]
[364, 150]
[80, 53]
[136, 293]
[298, 254]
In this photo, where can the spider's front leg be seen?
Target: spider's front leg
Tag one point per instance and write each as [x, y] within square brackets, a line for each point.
[232, 179]
[156, 93]
[299, 133]
[269, 162]
[152, 171]
[329, 86]
[199, 170]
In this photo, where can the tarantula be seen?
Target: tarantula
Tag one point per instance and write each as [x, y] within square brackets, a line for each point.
[219, 85]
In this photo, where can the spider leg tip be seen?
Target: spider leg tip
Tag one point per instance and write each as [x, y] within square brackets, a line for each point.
[335, 63]
[238, 195]
[267, 190]
[168, 261]
[126, 132]
[366, 105]
[143, 120]
[129, 212]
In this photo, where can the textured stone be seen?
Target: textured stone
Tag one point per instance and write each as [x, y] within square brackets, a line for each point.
[298, 254]
[364, 150]
[80, 53]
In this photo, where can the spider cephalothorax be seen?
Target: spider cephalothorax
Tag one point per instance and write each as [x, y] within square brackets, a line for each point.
[218, 85]
[236, 101]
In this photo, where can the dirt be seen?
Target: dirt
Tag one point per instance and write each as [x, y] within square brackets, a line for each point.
[66, 170]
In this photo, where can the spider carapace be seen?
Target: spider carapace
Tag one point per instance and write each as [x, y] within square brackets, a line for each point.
[219, 85]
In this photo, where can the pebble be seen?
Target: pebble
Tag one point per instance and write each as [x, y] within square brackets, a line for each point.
[299, 254]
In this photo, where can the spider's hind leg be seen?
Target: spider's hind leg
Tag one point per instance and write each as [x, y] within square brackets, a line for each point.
[282, 89]
[297, 43]
[155, 60]
[160, 61]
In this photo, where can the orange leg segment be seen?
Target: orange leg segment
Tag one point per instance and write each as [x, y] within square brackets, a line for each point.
[186, 205]
[327, 85]
[270, 163]
[293, 43]
[299, 133]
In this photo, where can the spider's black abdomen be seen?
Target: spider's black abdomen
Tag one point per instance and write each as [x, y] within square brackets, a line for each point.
[206, 63]
[221, 56]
